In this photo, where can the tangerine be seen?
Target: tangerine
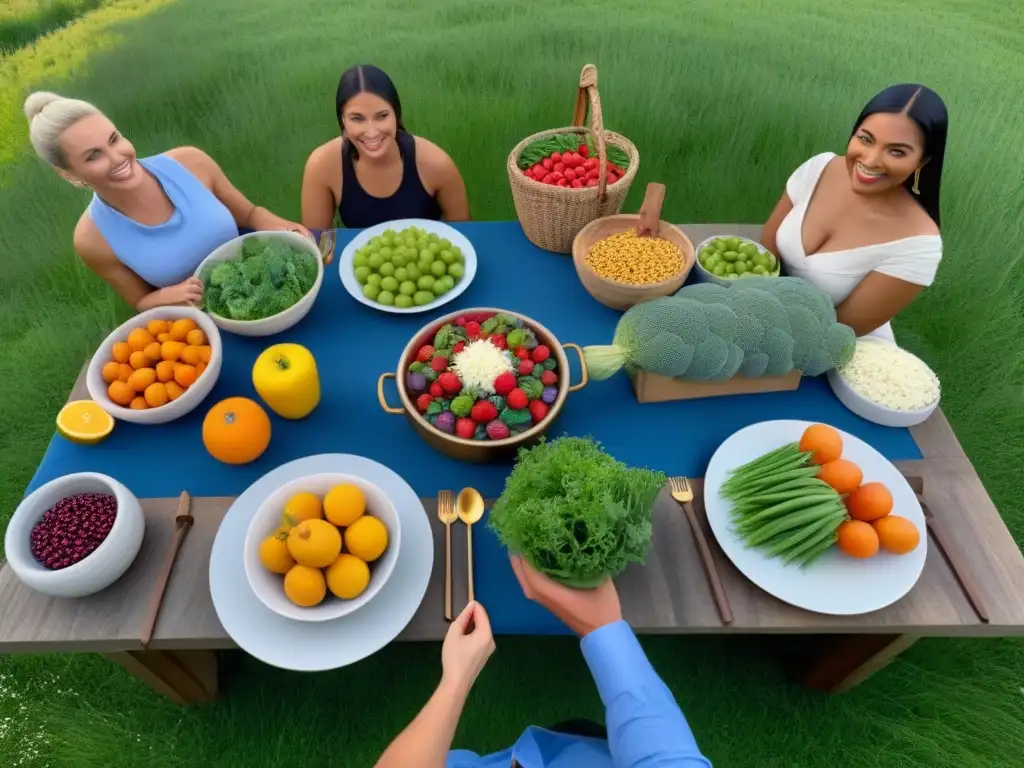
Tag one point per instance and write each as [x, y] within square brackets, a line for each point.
[139, 339]
[196, 337]
[844, 476]
[121, 392]
[156, 394]
[897, 534]
[141, 379]
[315, 543]
[180, 329]
[156, 327]
[174, 390]
[344, 504]
[111, 371]
[190, 354]
[185, 375]
[152, 352]
[869, 502]
[305, 586]
[236, 430]
[165, 371]
[121, 352]
[171, 350]
[139, 403]
[138, 360]
[823, 442]
[348, 577]
[857, 538]
[125, 372]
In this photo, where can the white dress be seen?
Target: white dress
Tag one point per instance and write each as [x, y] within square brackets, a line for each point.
[914, 259]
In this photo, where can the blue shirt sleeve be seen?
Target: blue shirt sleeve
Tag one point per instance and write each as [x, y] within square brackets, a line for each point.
[646, 728]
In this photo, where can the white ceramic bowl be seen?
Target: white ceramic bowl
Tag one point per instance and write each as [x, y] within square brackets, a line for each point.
[269, 587]
[282, 321]
[708, 277]
[872, 411]
[97, 571]
[175, 409]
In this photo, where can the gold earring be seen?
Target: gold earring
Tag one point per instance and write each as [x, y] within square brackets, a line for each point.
[917, 178]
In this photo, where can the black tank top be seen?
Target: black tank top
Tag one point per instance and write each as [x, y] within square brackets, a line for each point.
[359, 209]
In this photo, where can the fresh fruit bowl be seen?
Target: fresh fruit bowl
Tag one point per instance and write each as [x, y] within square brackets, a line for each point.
[473, 394]
[166, 402]
[304, 508]
[239, 248]
[729, 249]
[82, 505]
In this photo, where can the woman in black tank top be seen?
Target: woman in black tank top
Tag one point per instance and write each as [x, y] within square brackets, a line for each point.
[383, 172]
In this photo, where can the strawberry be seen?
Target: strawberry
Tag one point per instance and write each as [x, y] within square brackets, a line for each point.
[423, 401]
[465, 428]
[497, 430]
[522, 353]
[540, 353]
[499, 341]
[439, 363]
[425, 353]
[504, 384]
[459, 346]
[449, 383]
[525, 367]
[472, 329]
[538, 410]
[516, 399]
[436, 390]
[549, 378]
[483, 411]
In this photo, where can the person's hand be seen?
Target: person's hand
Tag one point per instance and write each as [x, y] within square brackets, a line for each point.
[467, 646]
[188, 292]
[265, 221]
[582, 610]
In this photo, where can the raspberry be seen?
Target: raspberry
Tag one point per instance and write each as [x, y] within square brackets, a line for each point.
[549, 378]
[497, 430]
[423, 401]
[439, 363]
[538, 410]
[525, 367]
[504, 384]
[540, 353]
[517, 399]
[465, 428]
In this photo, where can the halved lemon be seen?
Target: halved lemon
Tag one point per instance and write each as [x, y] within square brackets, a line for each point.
[84, 421]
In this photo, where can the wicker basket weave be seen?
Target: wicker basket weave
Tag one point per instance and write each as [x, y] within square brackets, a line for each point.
[552, 216]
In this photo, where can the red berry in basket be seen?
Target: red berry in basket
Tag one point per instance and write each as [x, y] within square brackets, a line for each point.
[591, 183]
[548, 163]
[465, 428]
[549, 378]
[449, 383]
[499, 341]
[576, 184]
[583, 150]
[517, 399]
[436, 390]
[459, 346]
[423, 401]
[570, 174]
[497, 430]
[538, 410]
[483, 411]
[472, 329]
[548, 179]
[561, 183]
[522, 353]
[540, 353]
[556, 157]
[425, 353]
[439, 363]
[525, 367]
[505, 383]
[461, 320]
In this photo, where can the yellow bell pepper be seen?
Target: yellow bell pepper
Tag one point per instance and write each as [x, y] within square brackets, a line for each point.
[285, 376]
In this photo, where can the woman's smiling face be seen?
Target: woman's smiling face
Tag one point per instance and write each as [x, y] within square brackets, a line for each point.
[884, 152]
[99, 155]
[370, 124]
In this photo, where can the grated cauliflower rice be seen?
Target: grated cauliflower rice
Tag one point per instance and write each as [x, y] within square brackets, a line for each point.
[891, 377]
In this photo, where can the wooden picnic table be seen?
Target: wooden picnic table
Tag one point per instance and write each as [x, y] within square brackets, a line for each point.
[668, 595]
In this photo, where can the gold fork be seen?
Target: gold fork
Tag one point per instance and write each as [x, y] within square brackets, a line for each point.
[446, 513]
[682, 493]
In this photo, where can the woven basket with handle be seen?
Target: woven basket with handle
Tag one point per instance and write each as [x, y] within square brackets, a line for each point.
[552, 216]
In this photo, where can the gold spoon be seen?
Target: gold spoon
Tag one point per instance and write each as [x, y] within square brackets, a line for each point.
[470, 508]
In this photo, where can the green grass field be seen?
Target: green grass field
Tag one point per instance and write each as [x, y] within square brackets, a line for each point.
[723, 101]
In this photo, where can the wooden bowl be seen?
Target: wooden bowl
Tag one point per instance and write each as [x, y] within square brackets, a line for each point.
[624, 295]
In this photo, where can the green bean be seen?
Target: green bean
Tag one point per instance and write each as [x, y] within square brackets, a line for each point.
[815, 554]
[787, 450]
[777, 496]
[812, 536]
[762, 518]
[788, 521]
[760, 486]
[810, 483]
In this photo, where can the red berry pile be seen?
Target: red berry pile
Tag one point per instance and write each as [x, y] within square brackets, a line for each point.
[484, 392]
[573, 169]
[72, 529]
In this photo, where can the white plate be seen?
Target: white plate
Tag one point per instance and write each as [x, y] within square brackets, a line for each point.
[835, 583]
[348, 279]
[319, 646]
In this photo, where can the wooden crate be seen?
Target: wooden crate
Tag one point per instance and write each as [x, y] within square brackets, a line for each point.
[652, 388]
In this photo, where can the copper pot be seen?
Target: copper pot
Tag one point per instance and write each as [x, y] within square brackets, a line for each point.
[480, 451]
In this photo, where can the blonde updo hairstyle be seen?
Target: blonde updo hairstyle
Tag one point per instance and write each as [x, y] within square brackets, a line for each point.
[49, 115]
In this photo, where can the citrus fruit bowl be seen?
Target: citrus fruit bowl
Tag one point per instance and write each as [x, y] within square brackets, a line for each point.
[275, 518]
[104, 564]
[169, 408]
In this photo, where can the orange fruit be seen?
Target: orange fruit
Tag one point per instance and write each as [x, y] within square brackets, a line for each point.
[315, 543]
[125, 373]
[138, 360]
[120, 392]
[190, 354]
[844, 476]
[180, 329]
[174, 390]
[165, 371]
[139, 404]
[139, 339]
[162, 337]
[156, 394]
[196, 337]
[897, 534]
[111, 371]
[869, 502]
[200, 367]
[171, 350]
[141, 379]
[156, 327]
[236, 430]
[84, 421]
[305, 586]
[121, 352]
[823, 442]
[205, 353]
[857, 538]
[152, 351]
[185, 375]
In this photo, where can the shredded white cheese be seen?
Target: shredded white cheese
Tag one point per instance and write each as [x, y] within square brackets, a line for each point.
[479, 364]
[891, 377]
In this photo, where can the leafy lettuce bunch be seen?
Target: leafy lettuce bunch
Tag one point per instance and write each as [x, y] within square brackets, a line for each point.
[574, 512]
[268, 277]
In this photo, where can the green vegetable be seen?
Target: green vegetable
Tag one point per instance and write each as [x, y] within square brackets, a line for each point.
[462, 405]
[705, 332]
[531, 386]
[516, 338]
[574, 512]
[498, 401]
[514, 417]
[268, 277]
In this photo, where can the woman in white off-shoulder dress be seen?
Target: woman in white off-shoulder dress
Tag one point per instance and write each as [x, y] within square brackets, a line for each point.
[864, 227]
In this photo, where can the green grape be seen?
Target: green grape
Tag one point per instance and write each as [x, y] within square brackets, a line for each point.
[386, 253]
[447, 281]
[360, 259]
[423, 297]
[399, 259]
[438, 268]
[374, 279]
[741, 267]
[403, 301]
[407, 288]
[374, 242]
[387, 268]
[361, 274]
[730, 269]
[425, 254]
[456, 270]
[375, 261]
[731, 256]
[388, 238]
[446, 256]
[435, 246]
[719, 270]
[426, 282]
[371, 291]
[424, 265]
[720, 244]
[389, 284]
[386, 297]
[759, 270]
[440, 288]
[413, 272]
[446, 243]
[401, 274]
[459, 257]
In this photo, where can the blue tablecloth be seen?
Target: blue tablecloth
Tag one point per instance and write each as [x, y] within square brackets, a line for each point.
[354, 344]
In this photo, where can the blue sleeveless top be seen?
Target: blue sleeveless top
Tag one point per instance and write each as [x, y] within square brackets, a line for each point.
[168, 253]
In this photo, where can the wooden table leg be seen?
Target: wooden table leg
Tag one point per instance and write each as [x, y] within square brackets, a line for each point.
[843, 661]
[185, 677]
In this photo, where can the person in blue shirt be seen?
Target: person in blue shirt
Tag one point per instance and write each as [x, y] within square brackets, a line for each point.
[646, 728]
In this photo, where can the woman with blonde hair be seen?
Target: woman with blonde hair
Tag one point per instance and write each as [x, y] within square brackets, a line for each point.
[151, 220]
